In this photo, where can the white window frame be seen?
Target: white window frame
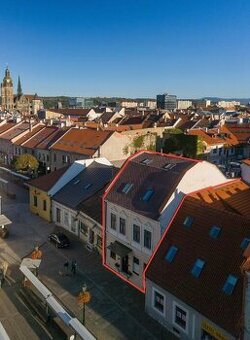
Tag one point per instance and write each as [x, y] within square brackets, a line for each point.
[176, 304]
[154, 290]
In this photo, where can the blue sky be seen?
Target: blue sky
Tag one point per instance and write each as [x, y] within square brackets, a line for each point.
[127, 48]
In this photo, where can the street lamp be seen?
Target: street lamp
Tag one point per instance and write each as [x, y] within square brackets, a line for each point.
[84, 298]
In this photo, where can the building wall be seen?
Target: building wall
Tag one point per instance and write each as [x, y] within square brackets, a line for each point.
[67, 217]
[245, 172]
[90, 231]
[138, 250]
[38, 209]
[113, 148]
[184, 104]
[60, 158]
[196, 323]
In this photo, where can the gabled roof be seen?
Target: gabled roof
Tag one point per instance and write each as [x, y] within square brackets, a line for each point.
[14, 132]
[90, 180]
[246, 161]
[6, 127]
[71, 112]
[206, 137]
[44, 137]
[46, 182]
[82, 141]
[29, 134]
[145, 177]
[223, 256]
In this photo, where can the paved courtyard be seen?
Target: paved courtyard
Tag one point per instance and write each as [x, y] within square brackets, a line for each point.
[116, 310]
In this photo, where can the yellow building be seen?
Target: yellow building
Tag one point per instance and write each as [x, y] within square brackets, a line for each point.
[39, 193]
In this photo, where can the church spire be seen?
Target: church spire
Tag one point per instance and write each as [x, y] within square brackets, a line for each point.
[19, 87]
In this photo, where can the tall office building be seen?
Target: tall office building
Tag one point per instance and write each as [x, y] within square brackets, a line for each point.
[166, 101]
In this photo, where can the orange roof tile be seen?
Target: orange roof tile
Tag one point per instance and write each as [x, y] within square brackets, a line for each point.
[29, 134]
[82, 141]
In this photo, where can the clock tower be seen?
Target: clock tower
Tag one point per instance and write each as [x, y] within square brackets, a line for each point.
[7, 92]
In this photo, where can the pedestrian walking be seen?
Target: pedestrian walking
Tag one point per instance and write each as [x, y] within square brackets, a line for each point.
[66, 267]
[73, 267]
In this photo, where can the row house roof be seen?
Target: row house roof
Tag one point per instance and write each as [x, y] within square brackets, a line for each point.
[208, 248]
[29, 134]
[6, 126]
[44, 138]
[82, 141]
[15, 131]
[46, 182]
[90, 180]
[233, 197]
[138, 187]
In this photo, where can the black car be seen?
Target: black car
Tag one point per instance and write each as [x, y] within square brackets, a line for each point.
[59, 239]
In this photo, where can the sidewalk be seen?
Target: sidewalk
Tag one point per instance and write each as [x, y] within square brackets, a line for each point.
[116, 310]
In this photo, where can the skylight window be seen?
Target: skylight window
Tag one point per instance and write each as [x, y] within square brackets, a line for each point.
[171, 254]
[245, 242]
[87, 186]
[76, 182]
[148, 194]
[169, 166]
[214, 231]
[146, 161]
[230, 284]
[197, 268]
[127, 187]
[188, 221]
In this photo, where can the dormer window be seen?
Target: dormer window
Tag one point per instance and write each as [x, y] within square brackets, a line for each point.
[188, 221]
[214, 231]
[245, 242]
[127, 187]
[198, 267]
[230, 284]
[148, 194]
[146, 161]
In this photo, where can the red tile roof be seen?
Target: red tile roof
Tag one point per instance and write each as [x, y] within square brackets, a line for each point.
[82, 141]
[223, 256]
[17, 130]
[42, 138]
[46, 182]
[234, 197]
[6, 127]
[146, 177]
[246, 161]
[29, 134]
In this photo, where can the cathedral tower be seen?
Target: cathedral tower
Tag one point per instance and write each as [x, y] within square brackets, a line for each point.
[7, 92]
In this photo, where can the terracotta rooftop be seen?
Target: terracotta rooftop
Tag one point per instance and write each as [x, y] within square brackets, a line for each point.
[82, 141]
[29, 134]
[146, 173]
[222, 256]
[234, 197]
[246, 161]
[14, 132]
[46, 182]
[207, 138]
[71, 112]
[42, 138]
[6, 127]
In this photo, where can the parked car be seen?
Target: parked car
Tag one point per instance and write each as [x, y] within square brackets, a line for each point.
[59, 239]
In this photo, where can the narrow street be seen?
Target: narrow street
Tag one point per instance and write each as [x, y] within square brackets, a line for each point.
[116, 310]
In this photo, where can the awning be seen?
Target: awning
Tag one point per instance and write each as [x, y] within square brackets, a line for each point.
[119, 249]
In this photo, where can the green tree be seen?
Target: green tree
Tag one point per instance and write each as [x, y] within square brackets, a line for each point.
[26, 162]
